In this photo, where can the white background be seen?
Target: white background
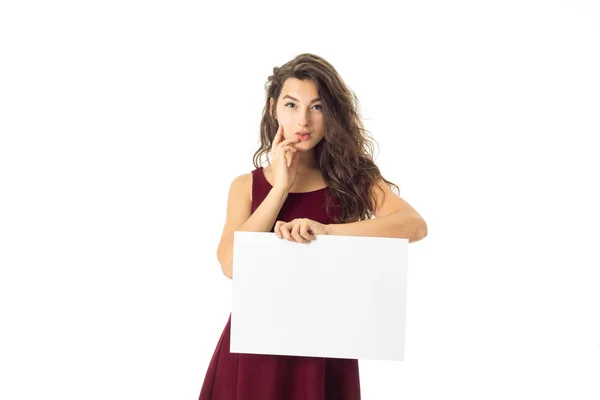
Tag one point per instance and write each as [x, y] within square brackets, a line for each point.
[123, 124]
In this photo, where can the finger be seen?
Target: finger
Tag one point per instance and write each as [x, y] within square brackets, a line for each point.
[286, 157]
[289, 141]
[277, 138]
[305, 233]
[296, 234]
[286, 153]
[286, 233]
[282, 151]
[287, 148]
[277, 229]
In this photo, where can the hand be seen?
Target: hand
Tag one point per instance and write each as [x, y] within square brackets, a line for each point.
[300, 230]
[284, 161]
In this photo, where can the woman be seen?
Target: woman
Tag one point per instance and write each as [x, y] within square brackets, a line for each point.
[321, 180]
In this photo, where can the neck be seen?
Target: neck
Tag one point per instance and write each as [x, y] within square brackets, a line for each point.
[307, 160]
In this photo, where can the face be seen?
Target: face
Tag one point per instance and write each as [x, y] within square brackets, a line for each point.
[299, 109]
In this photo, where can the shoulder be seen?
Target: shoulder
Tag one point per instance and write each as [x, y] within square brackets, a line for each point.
[242, 185]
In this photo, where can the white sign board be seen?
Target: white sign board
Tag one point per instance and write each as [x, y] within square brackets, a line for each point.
[335, 296]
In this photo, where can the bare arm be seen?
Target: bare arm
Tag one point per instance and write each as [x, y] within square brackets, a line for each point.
[241, 218]
[394, 217]
[396, 225]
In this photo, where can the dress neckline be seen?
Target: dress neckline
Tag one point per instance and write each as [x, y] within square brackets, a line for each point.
[262, 172]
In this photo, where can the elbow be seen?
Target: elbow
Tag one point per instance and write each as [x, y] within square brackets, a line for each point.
[422, 230]
[226, 265]
[227, 270]
[421, 233]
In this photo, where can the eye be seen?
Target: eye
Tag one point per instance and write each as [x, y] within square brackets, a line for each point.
[316, 105]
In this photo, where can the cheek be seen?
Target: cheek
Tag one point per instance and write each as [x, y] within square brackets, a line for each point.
[284, 118]
[288, 127]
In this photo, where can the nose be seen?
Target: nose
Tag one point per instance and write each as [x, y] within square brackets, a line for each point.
[302, 120]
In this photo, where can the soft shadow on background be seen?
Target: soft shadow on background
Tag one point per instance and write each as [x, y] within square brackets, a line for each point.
[122, 125]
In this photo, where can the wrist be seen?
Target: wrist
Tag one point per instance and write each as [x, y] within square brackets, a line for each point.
[279, 191]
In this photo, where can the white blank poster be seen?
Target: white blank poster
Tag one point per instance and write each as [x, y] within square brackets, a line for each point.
[336, 296]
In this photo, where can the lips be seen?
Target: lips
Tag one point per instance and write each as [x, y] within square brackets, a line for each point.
[303, 136]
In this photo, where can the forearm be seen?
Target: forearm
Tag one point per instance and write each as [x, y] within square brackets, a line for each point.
[405, 226]
[261, 220]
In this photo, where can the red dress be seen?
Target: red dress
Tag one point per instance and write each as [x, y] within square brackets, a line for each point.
[238, 376]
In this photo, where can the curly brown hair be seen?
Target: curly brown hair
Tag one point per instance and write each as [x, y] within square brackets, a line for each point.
[345, 155]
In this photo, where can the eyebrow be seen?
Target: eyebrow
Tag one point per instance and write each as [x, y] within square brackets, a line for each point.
[295, 99]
